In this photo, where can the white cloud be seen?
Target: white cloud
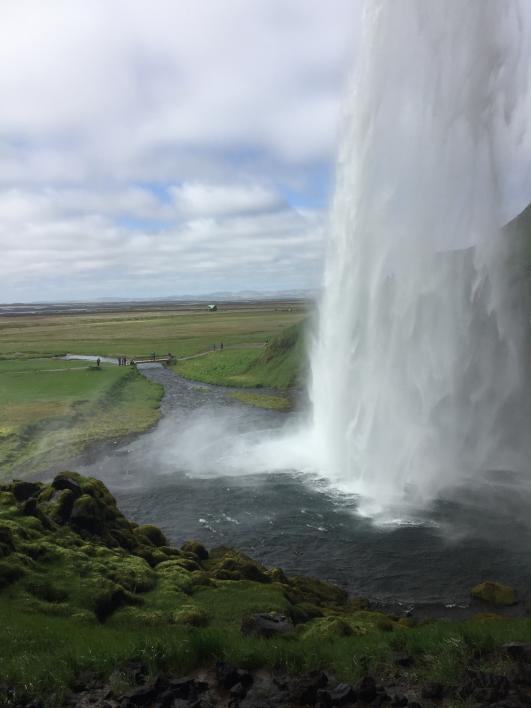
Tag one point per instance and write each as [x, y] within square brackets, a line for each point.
[75, 255]
[115, 82]
[153, 147]
[200, 199]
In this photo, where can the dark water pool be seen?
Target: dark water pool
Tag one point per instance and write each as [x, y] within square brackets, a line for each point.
[478, 532]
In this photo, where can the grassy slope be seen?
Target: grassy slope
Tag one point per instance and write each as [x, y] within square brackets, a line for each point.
[279, 365]
[50, 410]
[178, 610]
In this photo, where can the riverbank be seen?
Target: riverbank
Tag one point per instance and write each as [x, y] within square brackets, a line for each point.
[52, 410]
[91, 601]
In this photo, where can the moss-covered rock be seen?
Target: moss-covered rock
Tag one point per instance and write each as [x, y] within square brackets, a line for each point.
[10, 571]
[196, 548]
[228, 564]
[191, 615]
[317, 592]
[494, 594]
[151, 534]
[328, 628]
[109, 598]
[45, 589]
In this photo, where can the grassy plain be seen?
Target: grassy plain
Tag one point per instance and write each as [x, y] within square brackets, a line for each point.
[50, 409]
[137, 334]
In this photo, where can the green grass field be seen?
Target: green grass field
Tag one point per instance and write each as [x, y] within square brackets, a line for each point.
[279, 364]
[137, 334]
[50, 410]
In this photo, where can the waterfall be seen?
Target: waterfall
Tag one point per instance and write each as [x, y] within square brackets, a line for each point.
[418, 376]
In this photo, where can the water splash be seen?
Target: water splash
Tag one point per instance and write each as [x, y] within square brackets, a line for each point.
[417, 373]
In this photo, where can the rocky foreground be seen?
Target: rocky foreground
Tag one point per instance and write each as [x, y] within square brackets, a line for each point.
[96, 610]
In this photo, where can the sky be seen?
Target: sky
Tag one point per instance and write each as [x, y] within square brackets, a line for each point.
[153, 148]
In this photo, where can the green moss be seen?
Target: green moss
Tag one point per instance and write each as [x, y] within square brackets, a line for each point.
[132, 573]
[152, 533]
[196, 548]
[316, 592]
[44, 589]
[327, 628]
[190, 615]
[10, 571]
[494, 593]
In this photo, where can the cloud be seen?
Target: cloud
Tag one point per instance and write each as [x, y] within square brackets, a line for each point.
[63, 251]
[199, 199]
[98, 89]
[151, 148]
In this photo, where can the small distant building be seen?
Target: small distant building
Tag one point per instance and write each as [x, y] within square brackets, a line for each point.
[212, 308]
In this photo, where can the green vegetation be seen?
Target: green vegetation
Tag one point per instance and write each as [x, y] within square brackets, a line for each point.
[50, 410]
[280, 364]
[83, 589]
[137, 334]
[494, 593]
[262, 400]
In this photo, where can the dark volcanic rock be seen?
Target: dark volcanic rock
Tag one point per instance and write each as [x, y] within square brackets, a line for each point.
[24, 490]
[266, 625]
[433, 691]
[228, 676]
[303, 691]
[342, 694]
[519, 651]
[366, 689]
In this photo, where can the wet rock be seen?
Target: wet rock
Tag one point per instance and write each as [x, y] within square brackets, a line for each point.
[24, 490]
[366, 689]
[266, 625]
[67, 481]
[303, 690]
[433, 691]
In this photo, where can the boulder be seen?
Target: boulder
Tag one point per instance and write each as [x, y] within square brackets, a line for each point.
[366, 689]
[24, 490]
[86, 514]
[341, 695]
[519, 651]
[267, 625]
[304, 690]
[196, 548]
[152, 533]
[67, 480]
[494, 593]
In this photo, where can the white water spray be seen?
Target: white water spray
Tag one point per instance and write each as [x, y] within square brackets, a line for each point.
[418, 368]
